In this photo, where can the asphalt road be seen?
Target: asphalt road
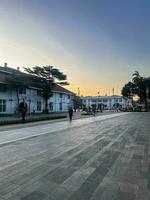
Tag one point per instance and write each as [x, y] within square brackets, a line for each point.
[99, 158]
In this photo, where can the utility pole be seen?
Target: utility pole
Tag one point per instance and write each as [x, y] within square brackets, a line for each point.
[113, 91]
[78, 91]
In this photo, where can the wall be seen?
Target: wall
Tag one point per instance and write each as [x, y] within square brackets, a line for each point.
[31, 99]
[107, 101]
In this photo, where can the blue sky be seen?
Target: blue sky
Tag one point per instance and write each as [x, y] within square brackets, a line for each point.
[97, 43]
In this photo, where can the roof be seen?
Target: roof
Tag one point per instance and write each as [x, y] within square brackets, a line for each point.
[61, 89]
[107, 97]
[8, 71]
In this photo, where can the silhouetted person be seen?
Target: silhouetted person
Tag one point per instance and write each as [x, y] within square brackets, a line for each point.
[94, 111]
[23, 110]
[70, 114]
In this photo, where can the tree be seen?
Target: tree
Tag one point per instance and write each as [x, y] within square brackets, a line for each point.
[147, 92]
[147, 84]
[46, 77]
[139, 81]
[16, 82]
[77, 102]
[140, 86]
[129, 90]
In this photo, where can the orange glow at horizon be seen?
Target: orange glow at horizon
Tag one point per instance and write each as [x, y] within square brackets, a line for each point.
[92, 91]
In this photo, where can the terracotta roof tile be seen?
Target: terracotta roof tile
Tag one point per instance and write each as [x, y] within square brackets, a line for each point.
[11, 70]
[61, 89]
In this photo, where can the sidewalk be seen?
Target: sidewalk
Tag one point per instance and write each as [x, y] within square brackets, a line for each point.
[98, 160]
[20, 133]
[76, 115]
[29, 116]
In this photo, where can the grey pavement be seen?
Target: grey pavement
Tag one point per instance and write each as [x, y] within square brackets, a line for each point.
[76, 115]
[28, 116]
[9, 135]
[99, 158]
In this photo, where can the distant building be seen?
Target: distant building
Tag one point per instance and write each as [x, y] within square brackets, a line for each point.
[59, 102]
[106, 102]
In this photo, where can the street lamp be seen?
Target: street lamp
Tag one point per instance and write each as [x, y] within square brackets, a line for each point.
[78, 91]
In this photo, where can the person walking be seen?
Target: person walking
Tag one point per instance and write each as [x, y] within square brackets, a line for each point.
[70, 113]
[23, 110]
[94, 111]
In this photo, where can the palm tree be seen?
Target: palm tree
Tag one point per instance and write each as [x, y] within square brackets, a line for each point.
[128, 90]
[147, 92]
[46, 77]
[141, 89]
[139, 86]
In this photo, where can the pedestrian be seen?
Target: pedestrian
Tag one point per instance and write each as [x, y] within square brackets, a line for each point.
[70, 113]
[23, 110]
[94, 111]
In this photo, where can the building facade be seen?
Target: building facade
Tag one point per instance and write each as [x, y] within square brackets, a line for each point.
[60, 100]
[106, 102]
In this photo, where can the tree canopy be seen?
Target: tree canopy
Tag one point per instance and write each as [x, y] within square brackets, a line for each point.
[46, 77]
[139, 86]
[77, 102]
[16, 82]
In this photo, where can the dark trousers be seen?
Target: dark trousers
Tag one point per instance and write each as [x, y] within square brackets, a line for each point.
[70, 117]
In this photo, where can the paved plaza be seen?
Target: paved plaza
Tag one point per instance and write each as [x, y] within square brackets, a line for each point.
[99, 158]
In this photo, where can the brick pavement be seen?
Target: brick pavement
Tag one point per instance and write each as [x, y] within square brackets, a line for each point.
[102, 160]
[76, 115]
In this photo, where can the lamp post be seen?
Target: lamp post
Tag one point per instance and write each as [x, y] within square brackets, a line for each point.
[98, 100]
[78, 91]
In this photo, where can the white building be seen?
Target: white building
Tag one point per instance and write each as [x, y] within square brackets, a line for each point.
[106, 102]
[59, 102]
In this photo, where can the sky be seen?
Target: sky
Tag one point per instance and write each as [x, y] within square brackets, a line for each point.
[97, 43]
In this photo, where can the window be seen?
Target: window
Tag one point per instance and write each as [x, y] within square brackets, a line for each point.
[61, 95]
[39, 92]
[120, 100]
[2, 105]
[105, 100]
[22, 91]
[68, 96]
[60, 106]
[39, 105]
[51, 106]
[3, 87]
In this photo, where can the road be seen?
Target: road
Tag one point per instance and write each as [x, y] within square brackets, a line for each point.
[100, 158]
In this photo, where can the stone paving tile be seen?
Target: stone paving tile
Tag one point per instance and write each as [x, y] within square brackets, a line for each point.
[95, 178]
[36, 195]
[110, 183]
[60, 174]
[106, 160]
[75, 181]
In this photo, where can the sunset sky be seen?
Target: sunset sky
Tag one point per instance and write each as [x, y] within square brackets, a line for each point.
[97, 43]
